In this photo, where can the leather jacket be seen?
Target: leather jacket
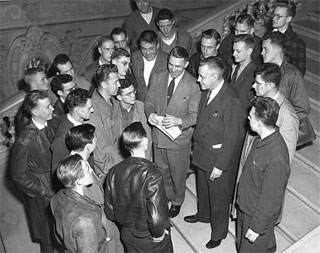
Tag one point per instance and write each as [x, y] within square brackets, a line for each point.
[79, 223]
[135, 197]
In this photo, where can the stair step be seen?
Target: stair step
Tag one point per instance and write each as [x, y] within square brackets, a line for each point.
[311, 42]
[282, 239]
[198, 234]
[312, 54]
[310, 155]
[298, 219]
[312, 88]
[308, 28]
[313, 66]
[314, 117]
[180, 243]
[314, 16]
[301, 176]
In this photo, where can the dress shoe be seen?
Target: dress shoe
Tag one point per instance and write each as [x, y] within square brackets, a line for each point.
[191, 218]
[213, 244]
[174, 211]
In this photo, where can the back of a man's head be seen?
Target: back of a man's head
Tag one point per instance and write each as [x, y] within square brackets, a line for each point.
[133, 136]
[77, 97]
[79, 136]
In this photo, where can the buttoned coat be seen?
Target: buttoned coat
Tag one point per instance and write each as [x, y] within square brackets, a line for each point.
[138, 70]
[183, 104]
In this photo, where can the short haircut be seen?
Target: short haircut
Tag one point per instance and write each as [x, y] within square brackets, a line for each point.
[70, 170]
[133, 135]
[58, 81]
[246, 38]
[118, 31]
[77, 97]
[266, 110]
[124, 83]
[30, 73]
[164, 14]
[245, 19]
[179, 52]
[103, 39]
[270, 72]
[79, 136]
[278, 39]
[31, 100]
[211, 34]
[148, 36]
[289, 5]
[61, 59]
[118, 53]
[103, 72]
[214, 62]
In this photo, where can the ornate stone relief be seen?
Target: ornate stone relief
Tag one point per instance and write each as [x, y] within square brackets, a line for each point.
[34, 43]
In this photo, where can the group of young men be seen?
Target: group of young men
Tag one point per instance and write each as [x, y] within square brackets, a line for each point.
[104, 157]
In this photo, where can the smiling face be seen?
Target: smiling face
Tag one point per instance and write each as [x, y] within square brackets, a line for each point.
[176, 66]
[143, 6]
[149, 50]
[66, 68]
[67, 88]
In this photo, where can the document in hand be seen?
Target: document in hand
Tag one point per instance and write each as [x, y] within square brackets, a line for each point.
[172, 132]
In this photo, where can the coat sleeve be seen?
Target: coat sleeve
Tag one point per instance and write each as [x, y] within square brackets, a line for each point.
[157, 205]
[29, 184]
[149, 102]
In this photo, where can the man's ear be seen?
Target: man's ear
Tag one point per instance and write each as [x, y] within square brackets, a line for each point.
[186, 64]
[59, 92]
[119, 97]
[99, 50]
[145, 143]
[217, 46]
[288, 19]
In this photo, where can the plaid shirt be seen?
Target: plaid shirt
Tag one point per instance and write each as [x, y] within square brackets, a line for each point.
[296, 50]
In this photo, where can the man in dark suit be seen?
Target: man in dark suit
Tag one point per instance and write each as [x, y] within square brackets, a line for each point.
[149, 59]
[216, 149]
[30, 167]
[61, 85]
[79, 106]
[172, 101]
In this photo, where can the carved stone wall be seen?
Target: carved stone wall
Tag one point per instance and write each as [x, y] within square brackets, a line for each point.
[41, 28]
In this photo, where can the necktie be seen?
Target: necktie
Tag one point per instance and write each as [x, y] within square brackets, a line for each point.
[234, 75]
[208, 96]
[170, 91]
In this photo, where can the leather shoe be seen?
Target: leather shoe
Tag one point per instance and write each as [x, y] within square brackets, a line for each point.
[191, 218]
[174, 211]
[213, 244]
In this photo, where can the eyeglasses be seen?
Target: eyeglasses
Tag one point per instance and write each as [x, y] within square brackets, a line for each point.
[126, 64]
[277, 16]
[129, 94]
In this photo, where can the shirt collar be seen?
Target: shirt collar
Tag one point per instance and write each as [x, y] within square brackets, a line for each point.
[73, 121]
[177, 80]
[39, 125]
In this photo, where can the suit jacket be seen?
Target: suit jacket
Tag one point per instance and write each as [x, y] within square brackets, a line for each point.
[58, 146]
[243, 87]
[217, 132]
[183, 104]
[138, 70]
[59, 111]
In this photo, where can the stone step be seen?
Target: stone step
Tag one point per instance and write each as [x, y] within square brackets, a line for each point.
[309, 243]
[311, 42]
[307, 28]
[313, 66]
[314, 117]
[314, 16]
[301, 176]
[312, 88]
[198, 234]
[298, 219]
[180, 243]
[283, 240]
[310, 155]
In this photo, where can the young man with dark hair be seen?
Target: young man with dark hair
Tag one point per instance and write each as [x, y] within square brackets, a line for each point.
[244, 24]
[295, 52]
[106, 119]
[132, 110]
[209, 44]
[140, 20]
[172, 101]
[62, 65]
[79, 106]
[147, 60]
[170, 36]
[30, 167]
[263, 181]
[144, 220]
[120, 38]
[81, 225]
[105, 48]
